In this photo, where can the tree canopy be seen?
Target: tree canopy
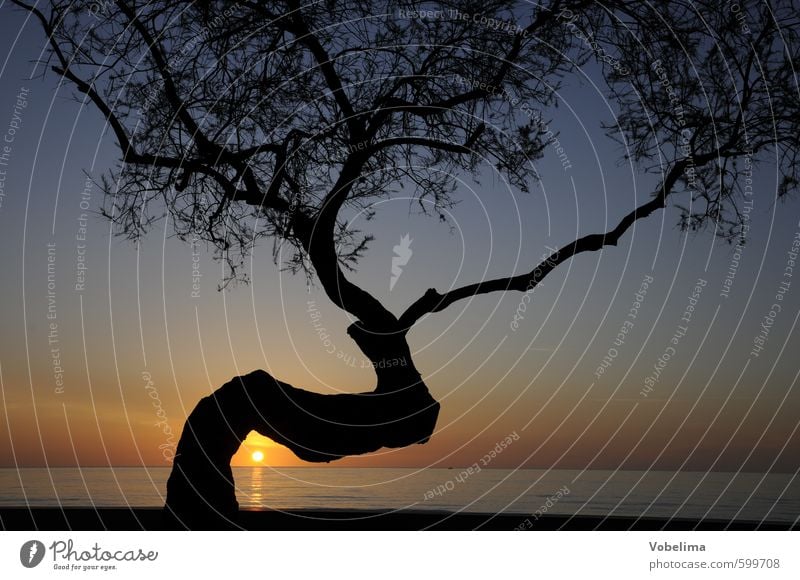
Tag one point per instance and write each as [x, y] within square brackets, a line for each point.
[245, 120]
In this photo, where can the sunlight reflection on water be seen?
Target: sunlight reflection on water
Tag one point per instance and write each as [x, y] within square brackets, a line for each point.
[689, 494]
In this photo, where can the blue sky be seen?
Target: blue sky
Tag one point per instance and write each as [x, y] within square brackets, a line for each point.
[715, 406]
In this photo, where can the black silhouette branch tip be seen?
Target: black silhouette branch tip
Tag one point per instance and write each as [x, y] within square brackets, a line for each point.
[432, 301]
[422, 142]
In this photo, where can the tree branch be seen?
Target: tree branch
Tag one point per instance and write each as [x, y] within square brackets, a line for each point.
[433, 301]
[422, 141]
[321, 250]
[342, 292]
[82, 85]
[389, 104]
[293, 22]
[181, 111]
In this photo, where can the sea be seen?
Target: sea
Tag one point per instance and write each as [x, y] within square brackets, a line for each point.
[741, 496]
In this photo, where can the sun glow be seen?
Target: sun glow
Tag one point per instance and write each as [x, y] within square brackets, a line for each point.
[258, 456]
[271, 453]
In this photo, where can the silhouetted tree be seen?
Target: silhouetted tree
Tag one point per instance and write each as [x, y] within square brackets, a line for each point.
[245, 120]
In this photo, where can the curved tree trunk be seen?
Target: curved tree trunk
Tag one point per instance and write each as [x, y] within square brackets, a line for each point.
[318, 428]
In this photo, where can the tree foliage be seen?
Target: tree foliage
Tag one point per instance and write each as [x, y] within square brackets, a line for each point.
[245, 120]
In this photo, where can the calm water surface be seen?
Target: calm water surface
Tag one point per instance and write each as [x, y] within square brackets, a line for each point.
[625, 493]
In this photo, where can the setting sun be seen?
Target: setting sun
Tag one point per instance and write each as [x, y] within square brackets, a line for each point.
[258, 456]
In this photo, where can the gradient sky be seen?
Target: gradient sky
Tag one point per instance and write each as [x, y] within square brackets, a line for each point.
[135, 332]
